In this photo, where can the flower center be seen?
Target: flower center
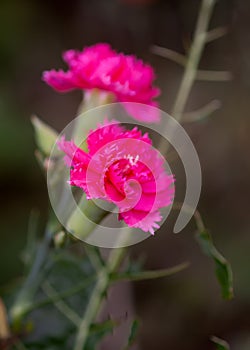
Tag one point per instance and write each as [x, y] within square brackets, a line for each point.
[118, 174]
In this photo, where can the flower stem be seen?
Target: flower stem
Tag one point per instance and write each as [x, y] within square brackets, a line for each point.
[194, 57]
[98, 294]
[193, 60]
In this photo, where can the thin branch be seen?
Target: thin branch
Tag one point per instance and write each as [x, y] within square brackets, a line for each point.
[98, 294]
[193, 60]
[194, 57]
[61, 305]
[216, 33]
[94, 256]
[202, 112]
[170, 54]
[207, 75]
[149, 275]
[62, 295]
[213, 75]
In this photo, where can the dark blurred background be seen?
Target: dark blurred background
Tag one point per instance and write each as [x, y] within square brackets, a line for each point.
[181, 312]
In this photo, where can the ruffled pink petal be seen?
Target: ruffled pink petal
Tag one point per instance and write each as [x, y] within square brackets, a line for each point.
[103, 135]
[112, 192]
[122, 167]
[100, 67]
[147, 222]
[74, 155]
[59, 80]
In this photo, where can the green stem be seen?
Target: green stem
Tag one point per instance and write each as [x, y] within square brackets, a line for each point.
[91, 99]
[61, 305]
[193, 60]
[85, 218]
[98, 294]
[194, 57]
[148, 275]
[63, 295]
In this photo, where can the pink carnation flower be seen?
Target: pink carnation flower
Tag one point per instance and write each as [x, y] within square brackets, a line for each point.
[100, 67]
[122, 167]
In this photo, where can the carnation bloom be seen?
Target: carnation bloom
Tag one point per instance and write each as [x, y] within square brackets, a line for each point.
[123, 168]
[99, 67]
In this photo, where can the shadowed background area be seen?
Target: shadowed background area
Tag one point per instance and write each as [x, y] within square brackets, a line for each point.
[179, 312]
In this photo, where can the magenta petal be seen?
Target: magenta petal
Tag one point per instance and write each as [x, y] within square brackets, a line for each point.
[112, 192]
[99, 67]
[74, 155]
[122, 167]
[139, 219]
[59, 80]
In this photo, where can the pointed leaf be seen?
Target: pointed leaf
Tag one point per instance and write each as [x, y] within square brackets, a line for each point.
[133, 334]
[98, 331]
[45, 136]
[105, 326]
[222, 266]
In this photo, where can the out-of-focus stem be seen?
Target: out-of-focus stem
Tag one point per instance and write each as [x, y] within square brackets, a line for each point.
[193, 60]
[91, 99]
[62, 306]
[98, 294]
[84, 218]
[194, 57]
[62, 295]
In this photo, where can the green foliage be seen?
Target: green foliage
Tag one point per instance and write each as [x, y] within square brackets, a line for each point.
[45, 136]
[222, 266]
[53, 312]
[133, 334]
[98, 331]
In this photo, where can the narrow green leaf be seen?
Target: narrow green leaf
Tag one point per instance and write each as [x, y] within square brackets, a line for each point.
[105, 326]
[40, 159]
[222, 266]
[98, 331]
[220, 344]
[145, 275]
[45, 136]
[133, 334]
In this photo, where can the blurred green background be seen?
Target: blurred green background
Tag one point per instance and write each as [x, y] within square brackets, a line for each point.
[181, 312]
